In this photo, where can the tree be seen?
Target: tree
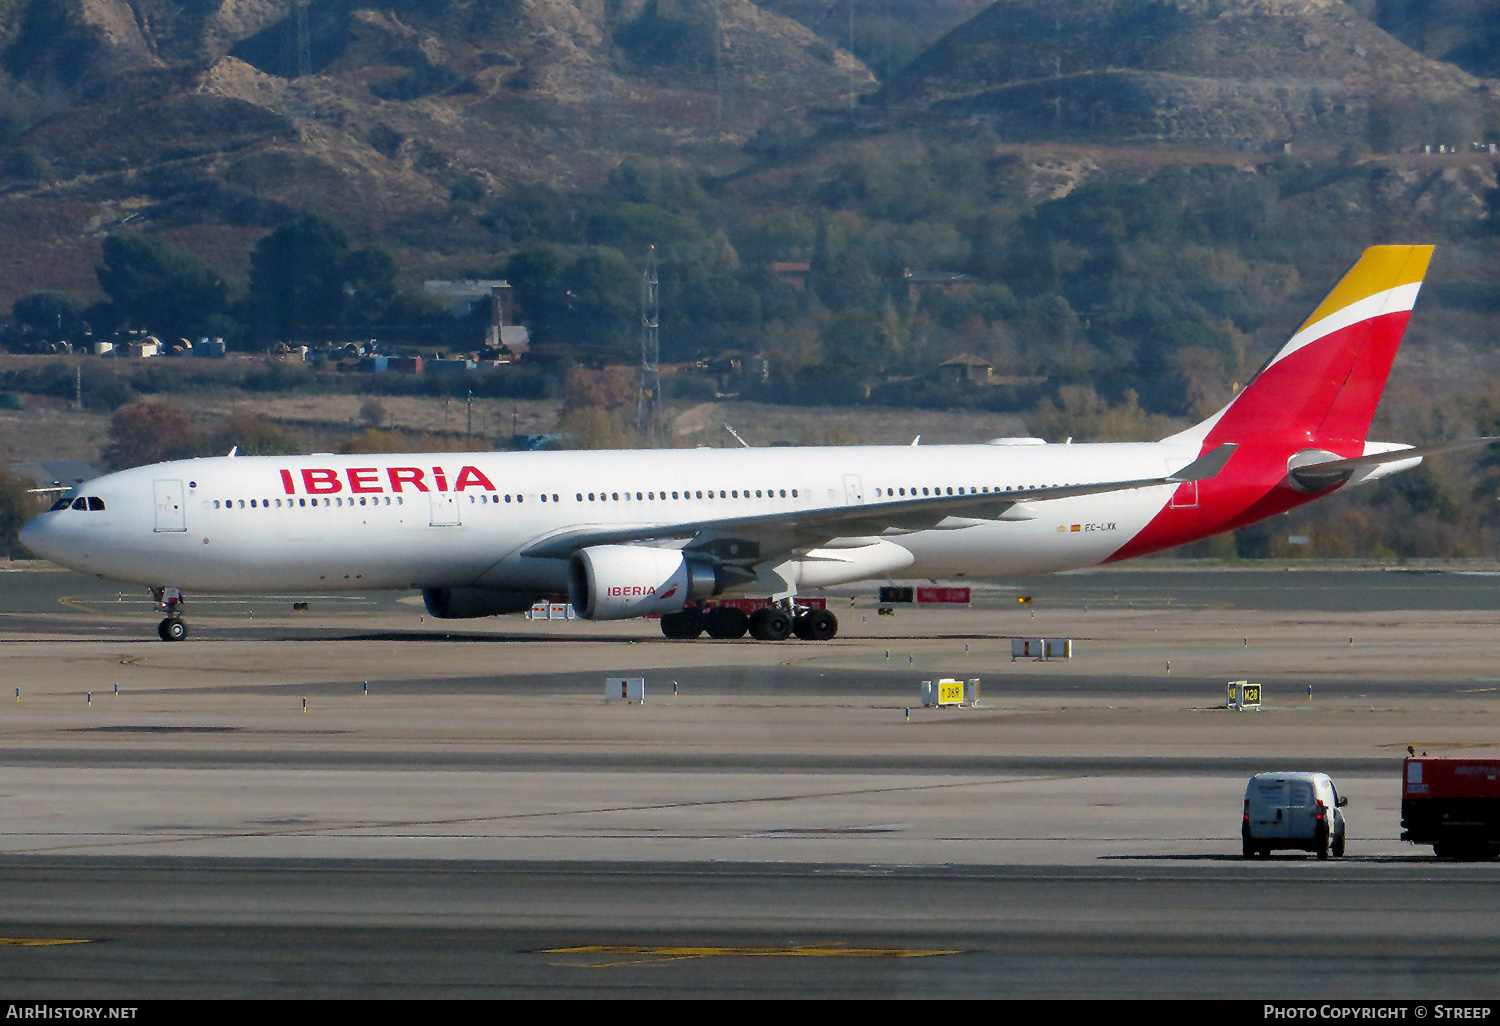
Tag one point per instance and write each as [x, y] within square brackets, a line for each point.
[304, 278]
[48, 316]
[156, 286]
[369, 285]
[17, 505]
[533, 274]
[603, 307]
[143, 433]
[595, 406]
[592, 303]
[252, 434]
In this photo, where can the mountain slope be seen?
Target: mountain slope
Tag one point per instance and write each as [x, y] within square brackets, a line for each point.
[1222, 70]
[193, 117]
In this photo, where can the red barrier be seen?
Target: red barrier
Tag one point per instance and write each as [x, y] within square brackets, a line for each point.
[952, 596]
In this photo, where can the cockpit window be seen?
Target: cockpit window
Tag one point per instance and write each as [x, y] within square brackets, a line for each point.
[60, 504]
[95, 503]
[80, 503]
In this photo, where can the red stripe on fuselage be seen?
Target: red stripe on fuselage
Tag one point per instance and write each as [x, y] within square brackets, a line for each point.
[1321, 397]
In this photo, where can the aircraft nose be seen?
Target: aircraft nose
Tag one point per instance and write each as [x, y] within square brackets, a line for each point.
[35, 535]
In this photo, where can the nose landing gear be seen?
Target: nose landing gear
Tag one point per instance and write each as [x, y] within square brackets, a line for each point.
[173, 628]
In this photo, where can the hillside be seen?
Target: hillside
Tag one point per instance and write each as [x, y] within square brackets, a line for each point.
[1228, 71]
[886, 34]
[193, 118]
[1461, 32]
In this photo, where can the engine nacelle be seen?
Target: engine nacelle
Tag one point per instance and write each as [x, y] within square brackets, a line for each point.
[617, 582]
[468, 603]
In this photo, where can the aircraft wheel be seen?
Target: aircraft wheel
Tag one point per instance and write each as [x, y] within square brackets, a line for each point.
[172, 629]
[816, 625]
[726, 623]
[682, 626]
[770, 624]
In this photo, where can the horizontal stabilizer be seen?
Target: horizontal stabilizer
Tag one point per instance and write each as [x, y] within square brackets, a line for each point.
[1206, 466]
[1319, 473]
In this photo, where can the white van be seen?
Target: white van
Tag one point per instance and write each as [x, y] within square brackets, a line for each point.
[1302, 811]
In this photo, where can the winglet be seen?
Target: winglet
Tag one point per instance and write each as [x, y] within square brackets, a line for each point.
[1206, 466]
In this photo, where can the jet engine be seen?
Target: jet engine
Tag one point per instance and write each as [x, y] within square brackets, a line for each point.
[617, 582]
[468, 603]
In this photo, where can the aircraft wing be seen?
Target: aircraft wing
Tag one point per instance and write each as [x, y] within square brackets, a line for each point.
[754, 539]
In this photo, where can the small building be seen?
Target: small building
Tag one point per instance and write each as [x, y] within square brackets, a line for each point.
[967, 369]
[945, 281]
[792, 272]
[461, 297]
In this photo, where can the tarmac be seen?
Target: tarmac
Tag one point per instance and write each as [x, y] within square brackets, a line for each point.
[359, 780]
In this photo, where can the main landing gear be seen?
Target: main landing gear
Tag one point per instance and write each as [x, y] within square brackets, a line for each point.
[769, 623]
[173, 628]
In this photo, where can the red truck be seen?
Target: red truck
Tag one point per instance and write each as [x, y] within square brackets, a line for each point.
[1453, 805]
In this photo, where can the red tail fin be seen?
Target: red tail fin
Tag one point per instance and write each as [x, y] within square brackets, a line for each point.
[1319, 392]
[1322, 388]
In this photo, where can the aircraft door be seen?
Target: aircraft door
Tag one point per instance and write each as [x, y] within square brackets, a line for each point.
[854, 493]
[171, 510]
[1186, 495]
[444, 509]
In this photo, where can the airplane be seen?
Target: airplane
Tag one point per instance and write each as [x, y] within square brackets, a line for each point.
[637, 533]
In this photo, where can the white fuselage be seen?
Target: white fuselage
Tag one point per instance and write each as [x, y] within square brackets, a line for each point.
[325, 522]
